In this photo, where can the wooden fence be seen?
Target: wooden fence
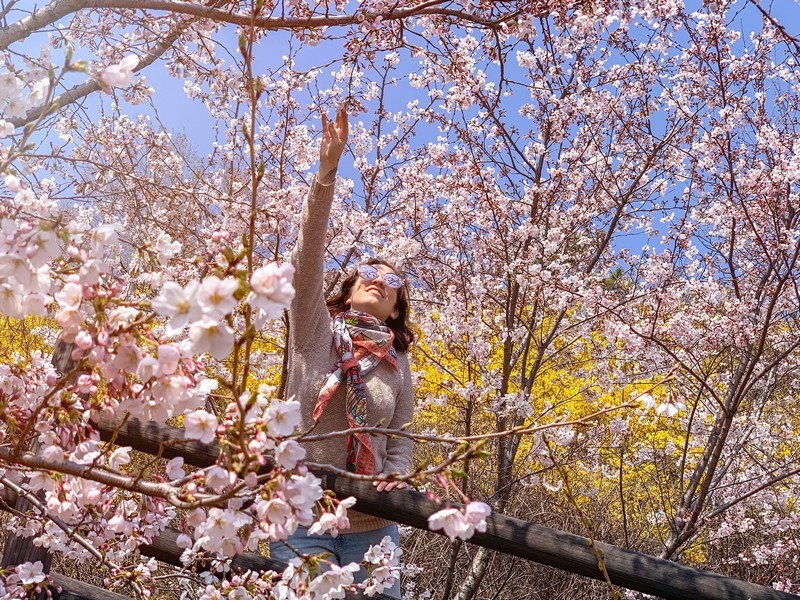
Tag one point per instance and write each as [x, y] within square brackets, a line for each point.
[572, 553]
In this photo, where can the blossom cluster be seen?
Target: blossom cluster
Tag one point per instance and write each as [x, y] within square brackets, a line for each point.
[204, 306]
[327, 580]
[20, 91]
[461, 523]
[617, 194]
[24, 580]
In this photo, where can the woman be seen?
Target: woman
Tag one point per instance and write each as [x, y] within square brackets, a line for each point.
[348, 366]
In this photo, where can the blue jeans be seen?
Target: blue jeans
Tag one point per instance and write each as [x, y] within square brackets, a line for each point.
[343, 549]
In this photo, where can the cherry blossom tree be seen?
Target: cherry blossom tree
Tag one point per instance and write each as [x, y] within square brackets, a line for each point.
[595, 201]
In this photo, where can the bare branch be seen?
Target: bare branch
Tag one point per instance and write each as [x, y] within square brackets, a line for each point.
[276, 23]
[75, 93]
[37, 19]
[521, 430]
[93, 473]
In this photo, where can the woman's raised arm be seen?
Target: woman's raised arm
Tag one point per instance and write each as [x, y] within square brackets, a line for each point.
[308, 312]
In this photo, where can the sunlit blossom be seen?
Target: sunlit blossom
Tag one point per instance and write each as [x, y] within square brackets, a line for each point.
[215, 296]
[282, 417]
[201, 426]
[120, 74]
[179, 303]
[211, 336]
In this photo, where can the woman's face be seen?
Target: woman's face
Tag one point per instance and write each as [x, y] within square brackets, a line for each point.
[374, 296]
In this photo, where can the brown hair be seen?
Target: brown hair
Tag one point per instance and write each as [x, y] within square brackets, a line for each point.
[403, 336]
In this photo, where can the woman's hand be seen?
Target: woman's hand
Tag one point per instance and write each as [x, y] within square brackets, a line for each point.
[334, 138]
[388, 486]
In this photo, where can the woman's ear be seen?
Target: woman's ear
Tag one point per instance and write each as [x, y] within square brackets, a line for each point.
[395, 314]
[347, 301]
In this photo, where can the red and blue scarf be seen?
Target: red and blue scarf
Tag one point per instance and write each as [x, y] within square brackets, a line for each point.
[361, 341]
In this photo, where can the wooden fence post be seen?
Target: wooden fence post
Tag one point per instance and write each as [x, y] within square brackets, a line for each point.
[20, 549]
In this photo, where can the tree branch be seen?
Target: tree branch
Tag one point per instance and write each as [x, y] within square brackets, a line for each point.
[82, 90]
[92, 473]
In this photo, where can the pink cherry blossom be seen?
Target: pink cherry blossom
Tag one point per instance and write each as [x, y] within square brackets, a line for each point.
[120, 74]
[70, 296]
[168, 357]
[282, 417]
[274, 511]
[272, 290]
[332, 523]
[201, 426]
[174, 468]
[214, 337]
[30, 573]
[302, 491]
[215, 296]
[218, 478]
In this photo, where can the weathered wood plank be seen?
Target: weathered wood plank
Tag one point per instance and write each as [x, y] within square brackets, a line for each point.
[155, 438]
[633, 570]
[20, 549]
[74, 589]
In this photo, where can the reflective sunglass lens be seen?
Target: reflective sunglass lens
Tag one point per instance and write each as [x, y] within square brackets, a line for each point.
[368, 273]
[392, 280]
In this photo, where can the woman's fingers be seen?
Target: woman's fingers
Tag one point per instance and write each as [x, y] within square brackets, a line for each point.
[388, 486]
[334, 137]
[342, 123]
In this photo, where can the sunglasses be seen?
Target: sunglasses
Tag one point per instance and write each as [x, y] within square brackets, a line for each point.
[368, 273]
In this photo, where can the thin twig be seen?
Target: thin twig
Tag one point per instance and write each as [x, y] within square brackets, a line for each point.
[419, 437]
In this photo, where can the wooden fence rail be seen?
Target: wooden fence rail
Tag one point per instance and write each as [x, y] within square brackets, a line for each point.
[633, 570]
[569, 552]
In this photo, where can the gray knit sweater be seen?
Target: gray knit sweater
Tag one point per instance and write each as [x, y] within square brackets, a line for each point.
[312, 356]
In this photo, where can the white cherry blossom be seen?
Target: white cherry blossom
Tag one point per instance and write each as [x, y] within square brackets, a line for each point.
[332, 583]
[282, 417]
[215, 296]
[179, 303]
[30, 573]
[214, 337]
[120, 74]
[200, 425]
[288, 453]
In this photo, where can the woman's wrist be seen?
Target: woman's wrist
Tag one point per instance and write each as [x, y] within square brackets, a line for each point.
[326, 175]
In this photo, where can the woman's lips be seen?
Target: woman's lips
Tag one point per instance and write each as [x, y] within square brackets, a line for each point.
[377, 290]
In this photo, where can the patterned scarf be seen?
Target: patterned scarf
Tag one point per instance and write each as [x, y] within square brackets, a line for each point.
[362, 341]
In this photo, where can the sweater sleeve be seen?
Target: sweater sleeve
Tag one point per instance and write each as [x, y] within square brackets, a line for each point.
[399, 450]
[308, 314]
